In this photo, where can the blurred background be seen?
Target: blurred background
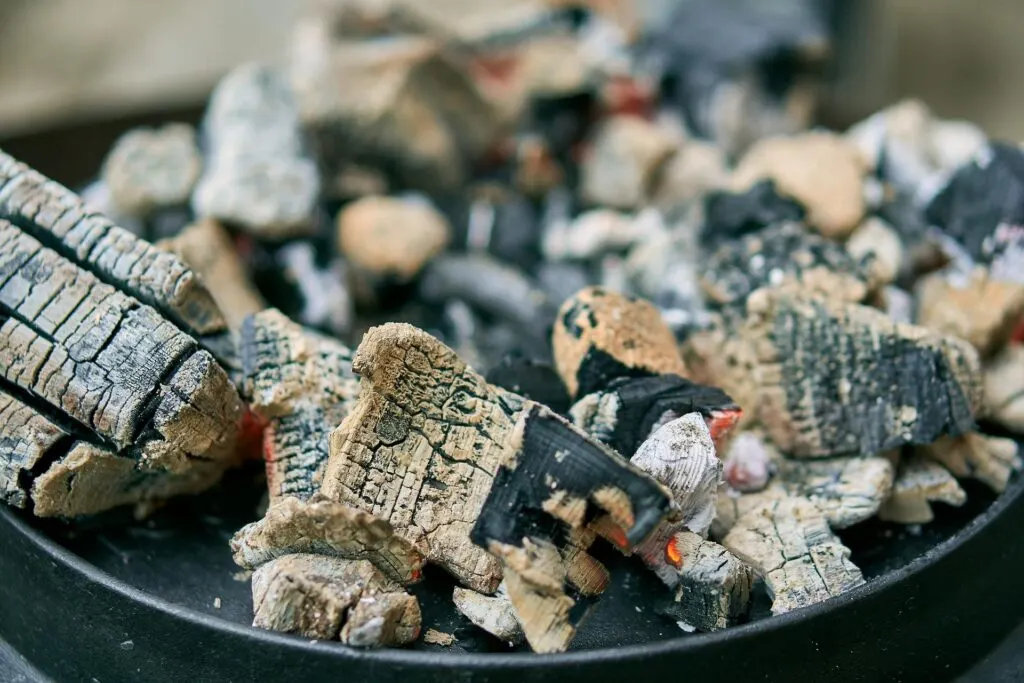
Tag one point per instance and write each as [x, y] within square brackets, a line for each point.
[63, 60]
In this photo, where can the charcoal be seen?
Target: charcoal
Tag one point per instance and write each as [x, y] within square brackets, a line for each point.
[296, 279]
[876, 243]
[951, 303]
[696, 170]
[531, 379]
[152, 169]
[834, 200]
[879, 386]
[630, 409]
[600, 335]
[492, 613]
[729, 216]
[206, 247]
[328, 598]
[733, 505]
[847, 490]
[497, 289]
[537, 171]
[784, 253]
[714, 586]
[325, 528]
[989, 459]
[500, 222]
[257, 175]
[598, 232]
[1004, 388]
[619, 168]
[919, 483]
[386, 237]
[561, 280]
[789, 544]
[301, 385]
[435, 637]
[108, 401]
[897, 303]
[458, 466]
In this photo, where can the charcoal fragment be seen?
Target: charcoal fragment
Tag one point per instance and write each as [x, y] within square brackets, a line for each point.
[301, 385]
[492, 613]
[834, 199]
[989, 459]
[533, 380]
[313, 292]
[919, 483]
[329, 598]
[789, 544]
[257, 174]
[151, 169]
[714, 586]
[600, 335]
[598, 232]
[976, 307]
[875, 242]
[784, 254]
[846, 490]
[879, 385]
[630, 409]
[619, 168]
[729, 215]
[458, 466]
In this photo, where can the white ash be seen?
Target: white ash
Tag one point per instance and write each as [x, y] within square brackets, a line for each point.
[748, 463]
[681, 455]
[326, 300]
[150, 169]
[492, 613]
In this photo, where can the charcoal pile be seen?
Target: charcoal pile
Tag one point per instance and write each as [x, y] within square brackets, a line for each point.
[495, 289]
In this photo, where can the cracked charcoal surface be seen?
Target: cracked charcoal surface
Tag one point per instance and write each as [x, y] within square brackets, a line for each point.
[846, 490]
[119, 382]
[841, 379]
[531, 379]
[301, 383]
[790, 545]
[427, 439]
[783, 253]
[600, 335]
[980, 197]
[729, 216]
[630, 409]
[324, 527]
[57, 218]
[328, 598]
[714, 586]
[152, 169]
[919, 483]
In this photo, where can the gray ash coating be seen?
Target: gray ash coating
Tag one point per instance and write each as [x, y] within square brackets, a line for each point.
[768, 257]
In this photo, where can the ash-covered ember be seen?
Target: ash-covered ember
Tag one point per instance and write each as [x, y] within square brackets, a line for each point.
[630, 409]
[302, 385]
[600, 335]
[847, 490]
[789, 544]
[748, 464]
[713, 587]
[843, 379]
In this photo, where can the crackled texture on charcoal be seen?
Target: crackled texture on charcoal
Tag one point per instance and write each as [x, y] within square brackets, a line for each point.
[492, 613]
[150, 169]
[975, 307]
[326, 528]
[301, 383]
[28, 443]
[208, 250]
[821, 170]
[790, 545]
[328, 598]
[1004, 388]
[988, 459]
[846, 490]
[630, 409]
[600, 335]
[843, 379]
[714, 586]
[56, 217]
[919, 483]
[731, 505]
[535, 579]
[786, 253]
[429, 435]
[717, 356]
[111, 365]
[257, 174]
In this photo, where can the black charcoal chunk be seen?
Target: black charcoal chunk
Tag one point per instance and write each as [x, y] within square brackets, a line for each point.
[729, 215]
[531, 379]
